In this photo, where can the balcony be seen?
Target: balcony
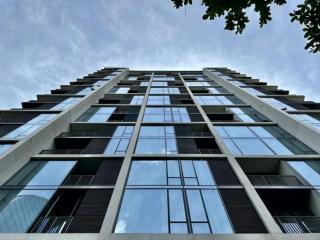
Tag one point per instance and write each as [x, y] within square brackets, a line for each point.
[78, 180]
[274, 180]
[52, 224]
[298, 224]
[73, 211]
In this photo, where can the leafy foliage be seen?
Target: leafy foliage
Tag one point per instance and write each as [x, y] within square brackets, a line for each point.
[234, 11]
[308, 14]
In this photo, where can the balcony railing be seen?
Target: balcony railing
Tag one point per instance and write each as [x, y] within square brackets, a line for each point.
[208, 151]
[78, 180]
[62, 151]
[274, 180]
[299, 224]
[52, 224]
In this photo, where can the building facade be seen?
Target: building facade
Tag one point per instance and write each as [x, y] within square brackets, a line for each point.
[121, 154]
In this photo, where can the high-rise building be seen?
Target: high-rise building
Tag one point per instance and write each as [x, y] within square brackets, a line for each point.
[123, 154]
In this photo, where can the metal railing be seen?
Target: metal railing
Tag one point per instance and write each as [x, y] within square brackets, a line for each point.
[62, 151]
[299, 224]
[208, 151]
[78, 180]
[52, 224]
[201, 134]
[274, 180]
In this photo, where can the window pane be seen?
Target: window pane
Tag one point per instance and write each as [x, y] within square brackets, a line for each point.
[217, 215]
[173, 168]
[174, 181]
[252, 147]
[152, 131]
[19, 209]
[232, 147]
[42, 173]
[171, 146]
[240, 132]
[177, 213]
[190, 181]
[200, 228]
[277, 146]
[187, 168]
[148, 173]
[196, 209]
[203, 173]
[179, 228]
[222, 132]
[4, 147]
[261, 132]
[151, 146]
[143, 211]
[306, 172]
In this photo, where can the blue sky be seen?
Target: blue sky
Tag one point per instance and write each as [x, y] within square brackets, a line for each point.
[45, 43]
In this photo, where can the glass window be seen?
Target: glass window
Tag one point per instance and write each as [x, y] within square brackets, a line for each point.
[233, 149]
[239, 131]
[195, 172]
[144, 84]
[225, 77]
[261, 132]
[252, 147]
[277, 146]
[277, 104]
[148, 173]
[30, 126]
[208, 100]
[187, 169]
[177, 212]
[248, 114]
[214, 100]
[217, 90]
[19, 208]
[196, 208]
[305, 118]
[117, 146]
[155, 146]
[237, 83]
[169, 205]
[197, 84]
[42, 173]
[158, 100]
[99, 83]
[217, 215]
[162, 78]
[200, 228]
[97, 114]
[87, 90]
[168, 114]
[5, 147]
[137, 100]
[143, 211]
[178, 228]
[173, 169]
[153, 131]
[159, 84]
[164, 91]
[203, 173]
[66, 103]
[306, 171]
[119, 142]
[253, 91]
[256, 140]
[121, 90]
[132, 78]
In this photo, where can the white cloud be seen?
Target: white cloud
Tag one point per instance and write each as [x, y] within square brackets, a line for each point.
[47, 43]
